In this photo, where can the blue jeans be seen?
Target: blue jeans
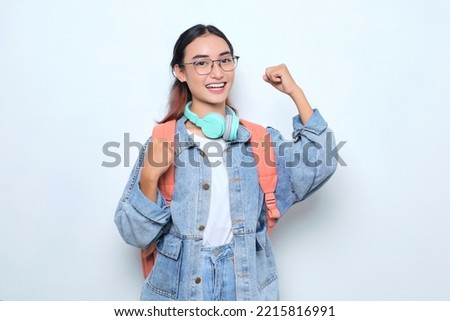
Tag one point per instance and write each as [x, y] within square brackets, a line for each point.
[219, 282]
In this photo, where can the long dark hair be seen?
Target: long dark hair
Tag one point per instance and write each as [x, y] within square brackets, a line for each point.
[180, 93]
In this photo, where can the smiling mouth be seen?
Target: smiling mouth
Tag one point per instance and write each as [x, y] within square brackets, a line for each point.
[218, 85]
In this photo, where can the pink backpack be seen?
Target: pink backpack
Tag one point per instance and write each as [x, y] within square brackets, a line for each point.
[267, 175]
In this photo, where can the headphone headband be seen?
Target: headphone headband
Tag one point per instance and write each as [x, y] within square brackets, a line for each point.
[214, 125]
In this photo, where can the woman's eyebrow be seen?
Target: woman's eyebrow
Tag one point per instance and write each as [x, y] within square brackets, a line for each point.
[207, 56]
[200, 56]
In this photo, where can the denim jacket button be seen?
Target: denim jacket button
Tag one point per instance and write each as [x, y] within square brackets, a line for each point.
[206, 186]
[198, 280]
[201, 227]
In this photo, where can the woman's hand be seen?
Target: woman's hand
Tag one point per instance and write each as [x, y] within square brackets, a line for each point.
[280, 78]
[157, 161]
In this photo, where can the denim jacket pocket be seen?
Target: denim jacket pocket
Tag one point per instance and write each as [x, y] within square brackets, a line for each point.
[165, 276]
[265, 265]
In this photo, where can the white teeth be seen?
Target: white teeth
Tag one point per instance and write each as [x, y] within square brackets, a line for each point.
[219, 85]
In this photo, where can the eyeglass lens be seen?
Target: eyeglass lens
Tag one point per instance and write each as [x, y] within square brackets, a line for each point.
[205, 66]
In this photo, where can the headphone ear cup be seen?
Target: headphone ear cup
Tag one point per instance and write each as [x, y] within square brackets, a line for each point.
[228, 128]
[234, 127]
[213, 125]
[231, 126]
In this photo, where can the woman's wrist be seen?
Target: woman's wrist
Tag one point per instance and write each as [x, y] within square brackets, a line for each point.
[296, 93]
[304, 108]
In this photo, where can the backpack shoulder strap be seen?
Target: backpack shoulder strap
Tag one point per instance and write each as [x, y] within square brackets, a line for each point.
[166, 183]
[267, 170]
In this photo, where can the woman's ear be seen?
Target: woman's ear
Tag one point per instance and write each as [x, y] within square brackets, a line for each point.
[178, 72]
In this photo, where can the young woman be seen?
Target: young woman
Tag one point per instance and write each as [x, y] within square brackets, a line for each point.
[212, 241]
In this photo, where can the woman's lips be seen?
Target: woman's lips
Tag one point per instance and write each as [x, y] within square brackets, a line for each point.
[217, 87]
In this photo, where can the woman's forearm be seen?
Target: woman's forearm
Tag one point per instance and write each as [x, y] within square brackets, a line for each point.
[304, 108]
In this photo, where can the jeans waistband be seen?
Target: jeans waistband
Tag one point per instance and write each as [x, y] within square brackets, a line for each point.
[220, 252]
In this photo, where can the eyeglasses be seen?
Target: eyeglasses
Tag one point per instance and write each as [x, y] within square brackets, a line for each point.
[205, 66]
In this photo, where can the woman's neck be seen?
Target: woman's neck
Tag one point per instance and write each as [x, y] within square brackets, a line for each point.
[202, 108]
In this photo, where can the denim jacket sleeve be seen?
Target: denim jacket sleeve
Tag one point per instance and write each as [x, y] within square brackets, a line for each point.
[304, 164]
[139, 220]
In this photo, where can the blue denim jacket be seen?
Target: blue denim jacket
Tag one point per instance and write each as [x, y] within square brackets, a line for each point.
[302, 167]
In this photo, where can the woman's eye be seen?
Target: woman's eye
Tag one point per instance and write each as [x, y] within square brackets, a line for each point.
[201, 63]
[225, 60]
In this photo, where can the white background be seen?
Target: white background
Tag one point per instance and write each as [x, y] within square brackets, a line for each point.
[75, 75]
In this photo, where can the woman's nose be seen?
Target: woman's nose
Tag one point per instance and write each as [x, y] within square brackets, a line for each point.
[216, 71]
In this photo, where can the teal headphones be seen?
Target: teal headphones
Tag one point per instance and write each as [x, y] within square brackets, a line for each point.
[214, 125]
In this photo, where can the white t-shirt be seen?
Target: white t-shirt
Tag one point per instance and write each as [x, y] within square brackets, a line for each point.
[218, 226]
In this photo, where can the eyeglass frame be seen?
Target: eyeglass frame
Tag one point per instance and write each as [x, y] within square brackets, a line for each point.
[212, 64]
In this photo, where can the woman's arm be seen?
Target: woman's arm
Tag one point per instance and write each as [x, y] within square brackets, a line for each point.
[142, 213]
[303, 165]
[280, 78]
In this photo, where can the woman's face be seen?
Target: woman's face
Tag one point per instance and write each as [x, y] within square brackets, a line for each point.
[213, 88]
